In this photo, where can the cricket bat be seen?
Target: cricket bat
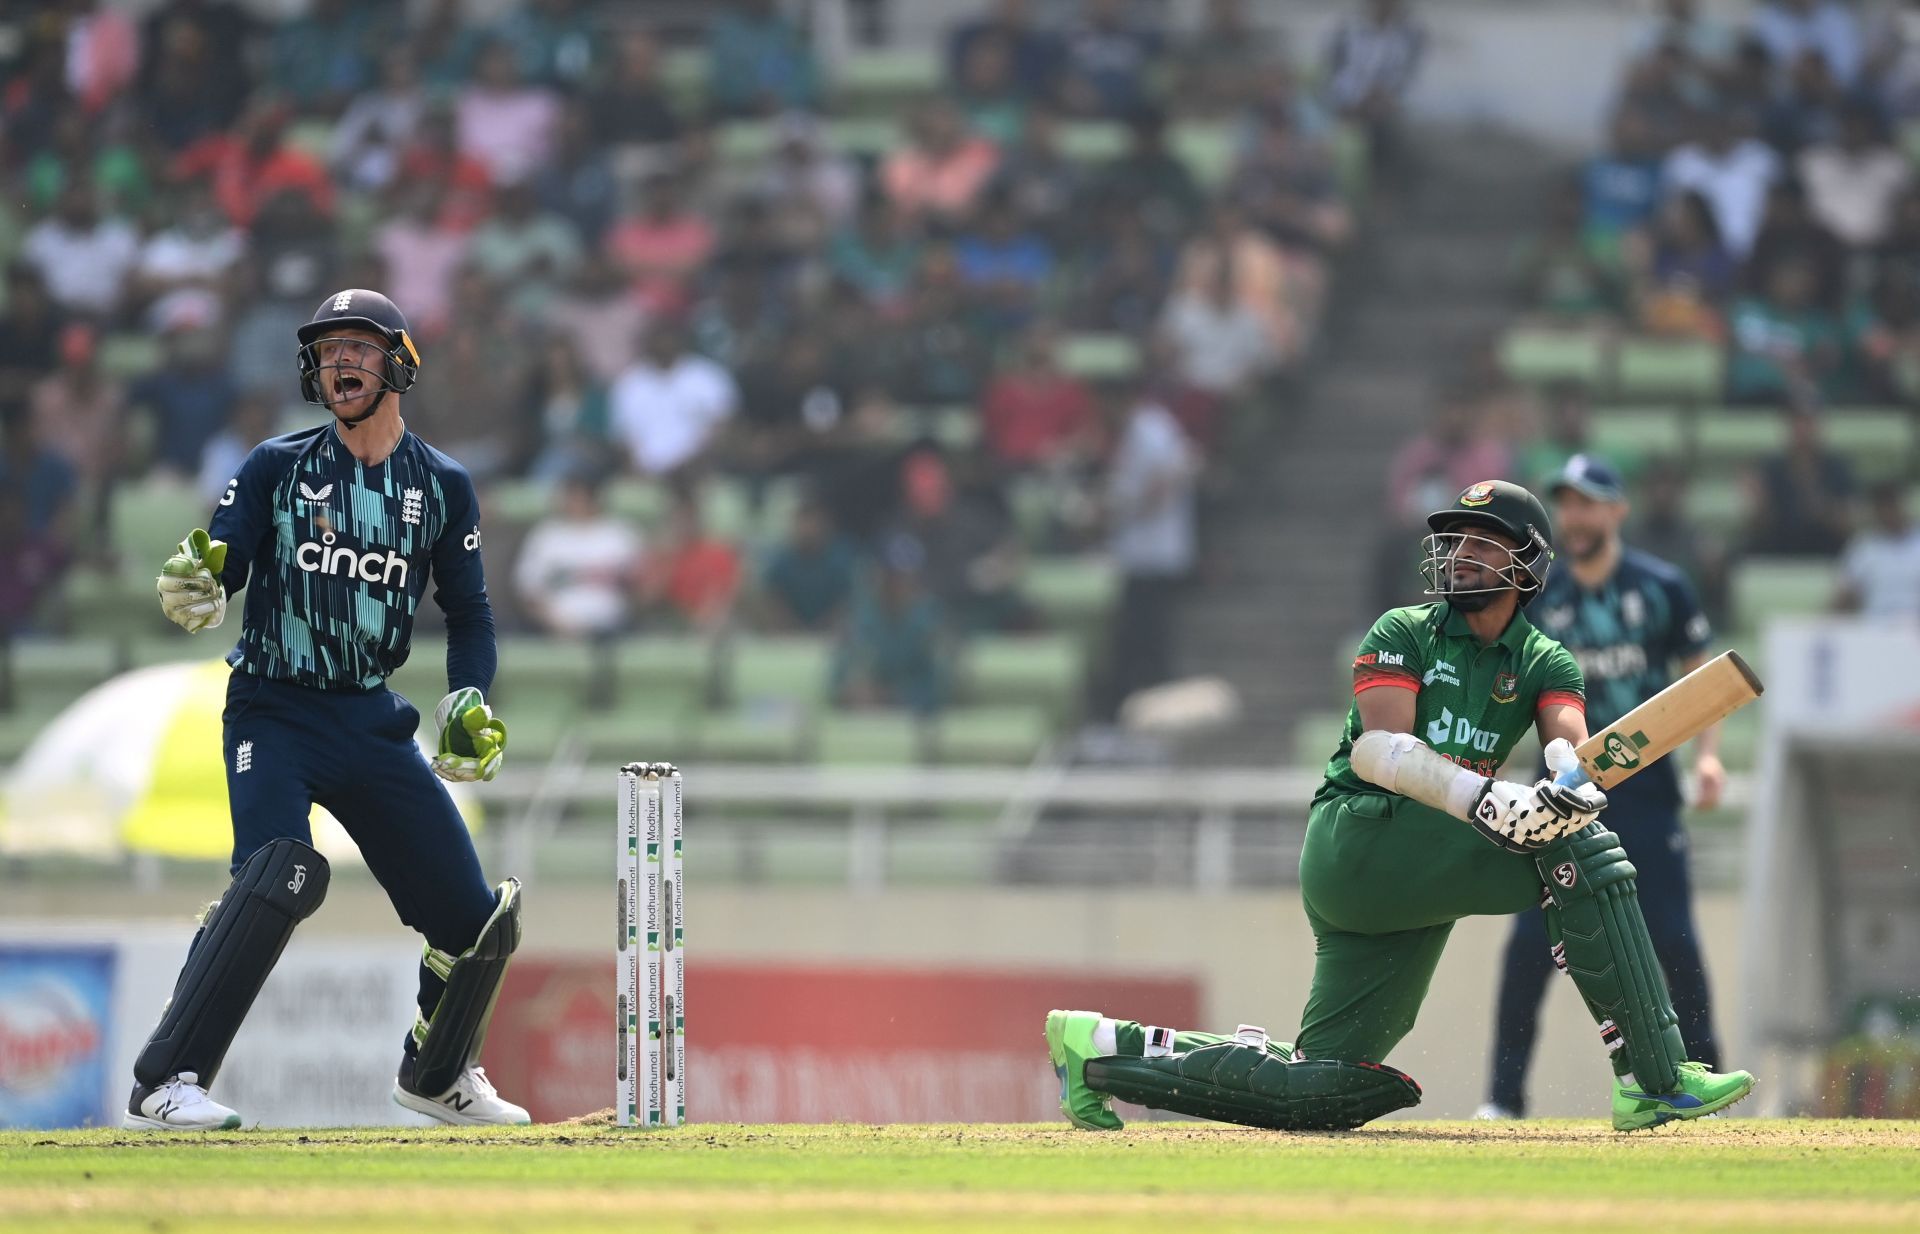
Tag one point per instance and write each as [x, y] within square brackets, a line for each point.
[1665, 722]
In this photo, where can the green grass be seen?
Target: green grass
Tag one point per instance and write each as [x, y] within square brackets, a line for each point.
[1731, 1174]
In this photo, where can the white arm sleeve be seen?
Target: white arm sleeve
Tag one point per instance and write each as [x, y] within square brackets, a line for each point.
[1402, 763]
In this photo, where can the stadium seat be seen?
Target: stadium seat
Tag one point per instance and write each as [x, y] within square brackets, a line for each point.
[1734, 437]
[1715, 503]
[1206, 148]
[641, 729]
[869, 739]
[991, 736]
[1639, 433]
[744, 142]
[1315, 736]
[49, 673]
[1353, 161]
[643, 501]
[1092, 141]
[1539, 357]
[1650, 369]
[791, 670]
[522, 502]
[179, 647]
[755, 734]
[147, 520]
[1767, 587]
[1879, 440]
[125, 357]
[662, 669]
[864, 136]
[1098, 357]
[888, 76]
[684, 72]
[1740, 737]
[114, 604]
[546, 674]
[534, 735]
[1073, 592]
[1047, 669]
[422, 680]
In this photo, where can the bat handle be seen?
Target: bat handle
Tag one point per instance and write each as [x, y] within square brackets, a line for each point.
[1572, 777]
[1566, 769]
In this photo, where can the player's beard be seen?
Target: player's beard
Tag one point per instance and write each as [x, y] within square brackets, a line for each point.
[1472, 601]
[1586, 546]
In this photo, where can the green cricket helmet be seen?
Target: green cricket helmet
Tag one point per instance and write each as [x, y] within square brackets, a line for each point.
[1490, 505]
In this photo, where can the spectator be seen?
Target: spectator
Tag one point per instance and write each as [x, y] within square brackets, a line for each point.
[1900, 251]
[877, 254]
[1122, 280]
[29, 332]
[1045, 185]
[475, 407]
[1662, 528]
[553, 39]
[526, 251]
[1685, 274]
[973, 560]
[79, 414]
[1792, 28]
[37, 97]
[199, 249]
[1791, 233]
[94, 150]
[279, 292]
[1034, 53]
[1218, 68]
[943, 349]
[422, 256]
[809, 578]
[579, 566]
[248, 424]
[758, 61]
[435, 157]
[1260, 273]
[1562, 273]
[989, 93]
[632, 107]
[449, 42]
[1732, 171]
[787, 405]
[254, 164]
[1288, 188]
[1428, 470]
[740, 324]
[578, 183]
[1033, 414]
[662, 246]
[1621, 186]
[378, 126]
[190, 398]
[1808, 111]
[1004, 265]
[572, 409]
[84, 260]
[32, 559]
[1880, 572]
[1220, 349]
[1107, 62]
[1852, 184]
[1371, 62]
[1703, 40]
[1785, 342]
[192, 87]
[1886, 330]
[1151, 180]
[1569, 423]
[1799, 500]
[812, 190]
[942, 170]
[1665, 89]
[669, 404]
[604, 322]
[891, 655]
[696, 576]
[43, 480]
[1150, 512]
[325, 56]
[503, 122]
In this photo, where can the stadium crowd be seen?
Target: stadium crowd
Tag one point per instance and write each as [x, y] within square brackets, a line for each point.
[602, 291]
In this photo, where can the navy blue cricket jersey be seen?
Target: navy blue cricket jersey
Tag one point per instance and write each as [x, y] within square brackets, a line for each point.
[1629, 637]
[339, 555]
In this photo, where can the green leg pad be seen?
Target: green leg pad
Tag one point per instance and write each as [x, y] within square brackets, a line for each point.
[1235, 1083]
[450, 1041]
[1595, 915]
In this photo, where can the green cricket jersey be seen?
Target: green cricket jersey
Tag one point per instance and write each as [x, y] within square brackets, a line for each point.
[1475, 701]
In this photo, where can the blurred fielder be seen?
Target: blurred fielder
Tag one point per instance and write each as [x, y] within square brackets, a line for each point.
[338, 529]
[1630, 620]
[1410, 832]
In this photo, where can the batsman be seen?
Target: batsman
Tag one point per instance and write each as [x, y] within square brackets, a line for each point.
[1410, 831]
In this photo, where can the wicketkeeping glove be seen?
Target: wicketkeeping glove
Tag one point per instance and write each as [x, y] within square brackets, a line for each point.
[191, 593]
[473, 740]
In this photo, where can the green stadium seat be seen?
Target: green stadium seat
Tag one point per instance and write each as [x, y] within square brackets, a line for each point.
[992, 736]
[124, 357]
[1879, 440]
[646, 729]
[1034, 504]
[1539, 357]
[1315, 737]
[1639, 433]
[1740, 738]
[889, 75]
[1073, 592]
[1092, 141]
[726, 508]
[684, 72]
[1767, 587]
[956, 428]
[744, 141]
[643, 501]
[1716, 503]
[867, 136]
[869, 739]
[1352, 161]
[179, 647]
[521, 502]
[1098, 357]
[661, 670]
[1206, 148]
[50, 673]
[779, 502]
[147, 520]
[422, 680]
[1045, 669]
[113, 604]
[546, 674]
[534, 735]
[756, 734]
[1646, 369]
[792, 670]
[1733, 437]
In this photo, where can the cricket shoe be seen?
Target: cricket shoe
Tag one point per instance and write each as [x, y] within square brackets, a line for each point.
[1701, 1094]
[178, 1105]
[1494, 1112]
[472, 1101]
[1069, 1046]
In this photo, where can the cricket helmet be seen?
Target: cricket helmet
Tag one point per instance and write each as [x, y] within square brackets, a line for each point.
[1491, 505]
[359, 309]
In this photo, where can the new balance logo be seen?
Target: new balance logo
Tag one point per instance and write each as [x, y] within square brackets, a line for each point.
[459, 1101]
[325, 491]
[298, 880]
[243, 757]
[411, 503]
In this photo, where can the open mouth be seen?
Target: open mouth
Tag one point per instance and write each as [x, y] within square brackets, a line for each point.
[347, 386]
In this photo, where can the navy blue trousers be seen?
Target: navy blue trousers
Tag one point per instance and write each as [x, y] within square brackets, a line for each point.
[1656, 843]
[353, 752]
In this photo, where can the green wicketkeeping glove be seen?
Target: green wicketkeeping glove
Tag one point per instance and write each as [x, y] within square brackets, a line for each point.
[191, 593]
[473, 740]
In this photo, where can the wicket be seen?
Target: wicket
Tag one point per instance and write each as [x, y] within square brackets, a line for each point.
[650, 980]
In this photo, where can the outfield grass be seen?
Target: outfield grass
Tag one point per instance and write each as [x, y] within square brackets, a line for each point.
[1734, 1174]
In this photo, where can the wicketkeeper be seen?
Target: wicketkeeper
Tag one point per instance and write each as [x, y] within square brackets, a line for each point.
[1411, 831]
[335, 532]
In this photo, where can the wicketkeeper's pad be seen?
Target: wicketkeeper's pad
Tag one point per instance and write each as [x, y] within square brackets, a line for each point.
[450, 1040]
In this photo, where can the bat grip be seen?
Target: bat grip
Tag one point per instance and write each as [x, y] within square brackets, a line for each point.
[1572, 777]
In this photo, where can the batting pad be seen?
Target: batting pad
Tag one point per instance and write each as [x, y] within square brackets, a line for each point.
[1235, 1083]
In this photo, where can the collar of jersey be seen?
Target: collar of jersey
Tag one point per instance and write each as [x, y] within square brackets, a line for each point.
[1513, 638]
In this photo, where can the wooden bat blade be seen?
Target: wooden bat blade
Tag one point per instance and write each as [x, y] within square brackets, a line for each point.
[1670, 719]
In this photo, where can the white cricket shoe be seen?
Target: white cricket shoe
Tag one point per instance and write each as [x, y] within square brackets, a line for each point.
[178, 1105]
[472, 1101]
[1492, 1113]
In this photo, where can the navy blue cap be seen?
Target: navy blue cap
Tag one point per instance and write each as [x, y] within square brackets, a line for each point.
[1591, 476]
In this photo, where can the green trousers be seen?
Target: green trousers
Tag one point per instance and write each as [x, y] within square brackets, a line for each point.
[1383, 879]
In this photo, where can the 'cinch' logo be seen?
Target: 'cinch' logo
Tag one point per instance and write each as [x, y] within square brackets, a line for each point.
[329, 557]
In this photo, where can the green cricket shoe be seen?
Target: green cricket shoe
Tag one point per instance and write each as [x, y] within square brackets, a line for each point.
[1070, 1045]
[1702, 1092]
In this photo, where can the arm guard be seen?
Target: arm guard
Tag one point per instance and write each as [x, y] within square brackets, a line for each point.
[1402, 763]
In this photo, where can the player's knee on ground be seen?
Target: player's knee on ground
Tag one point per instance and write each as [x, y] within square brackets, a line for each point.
[449, 1040]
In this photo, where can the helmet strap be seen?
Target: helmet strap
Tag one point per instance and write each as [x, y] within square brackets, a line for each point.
[353, 422]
